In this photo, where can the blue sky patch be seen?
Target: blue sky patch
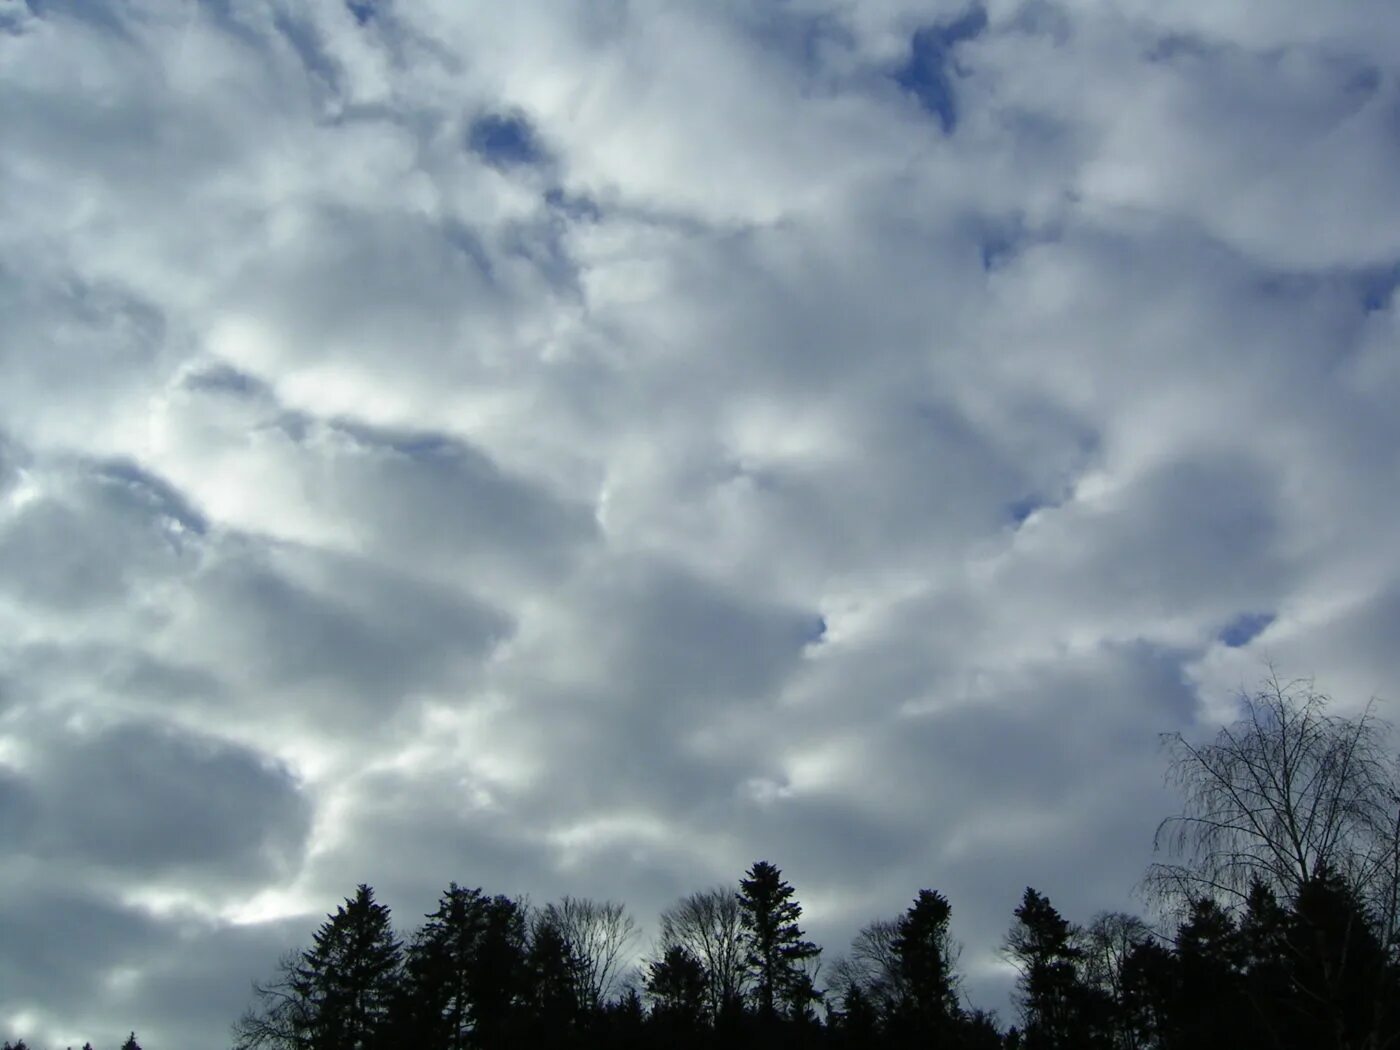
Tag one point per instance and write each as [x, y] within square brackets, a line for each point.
[505, 141]
[1378, 287]
[1244, 628]
[1024, 507]
[928, 75]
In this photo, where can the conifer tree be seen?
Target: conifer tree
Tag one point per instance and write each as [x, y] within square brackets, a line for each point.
[552, 994]
[775, 947]
[338, 993]
[1210, 1009]
[1041, 945]
[346, 980]
[434, 1006]
[676, 985]
[925, 952]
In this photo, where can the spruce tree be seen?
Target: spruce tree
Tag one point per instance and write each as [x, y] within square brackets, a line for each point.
[676, 985]
[775, 947]
[925, 953]
[349, 976]
[1042, 946]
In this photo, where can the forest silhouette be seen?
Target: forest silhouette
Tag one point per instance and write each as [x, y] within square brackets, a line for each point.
[1277, 927]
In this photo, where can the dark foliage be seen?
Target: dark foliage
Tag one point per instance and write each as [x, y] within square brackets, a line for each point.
[775, 947]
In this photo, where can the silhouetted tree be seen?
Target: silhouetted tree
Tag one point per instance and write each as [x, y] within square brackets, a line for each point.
[1108, 943]
[857, 1023]
[1343, 980]
[337, 994]
[1041, 944]
[1268, 972]
[873, 967]
[1281, 796]
[1209, 1010]
[1150, 979]
[978, 1030]
[552, 997]
[500, 970]
[676, 985]
[622, 1024]
[131, 1043]
[281, 1017]
[597, 933]
[774, 943]
[925, 953]
[709, 925]
[461, 973]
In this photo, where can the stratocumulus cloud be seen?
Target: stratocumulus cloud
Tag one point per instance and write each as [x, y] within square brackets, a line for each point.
[583, 448]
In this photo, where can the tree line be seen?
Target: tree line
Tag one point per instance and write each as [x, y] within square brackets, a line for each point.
[1277, 904]
[130, 1044]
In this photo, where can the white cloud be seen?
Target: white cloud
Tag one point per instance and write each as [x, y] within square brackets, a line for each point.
[735, 463]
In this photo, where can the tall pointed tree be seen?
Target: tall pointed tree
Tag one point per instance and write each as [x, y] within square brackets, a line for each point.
[925, 952]
[1041, 944]
[1210, 1010]
[348, 976]
[454, 973]
[552, 992]
[775, 947]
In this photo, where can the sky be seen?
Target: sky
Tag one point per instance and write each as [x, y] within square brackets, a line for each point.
[589, 447]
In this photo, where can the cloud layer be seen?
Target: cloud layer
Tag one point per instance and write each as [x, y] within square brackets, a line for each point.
[588, 448]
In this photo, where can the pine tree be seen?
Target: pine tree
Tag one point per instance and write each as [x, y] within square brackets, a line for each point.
[349, 976]
[1041, 944]
[925, 953]
[1341, 974]
[775, 946]
[676, 985]
[551, 992]
[462, 972]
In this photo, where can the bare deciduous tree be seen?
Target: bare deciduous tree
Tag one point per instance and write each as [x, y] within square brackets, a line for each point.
[1107, 943]
[280, 1018]
[708, 925]
[1286, 794]
[872, 965]
[1306, 805]
[598, 935]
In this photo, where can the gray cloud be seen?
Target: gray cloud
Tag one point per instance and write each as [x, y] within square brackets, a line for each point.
[150, 802]
[587, 451]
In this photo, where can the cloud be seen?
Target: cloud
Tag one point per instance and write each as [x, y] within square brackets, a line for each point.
[586, 451]
[151, 803]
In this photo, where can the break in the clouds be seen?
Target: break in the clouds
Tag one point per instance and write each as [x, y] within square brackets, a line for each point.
[589, 447]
